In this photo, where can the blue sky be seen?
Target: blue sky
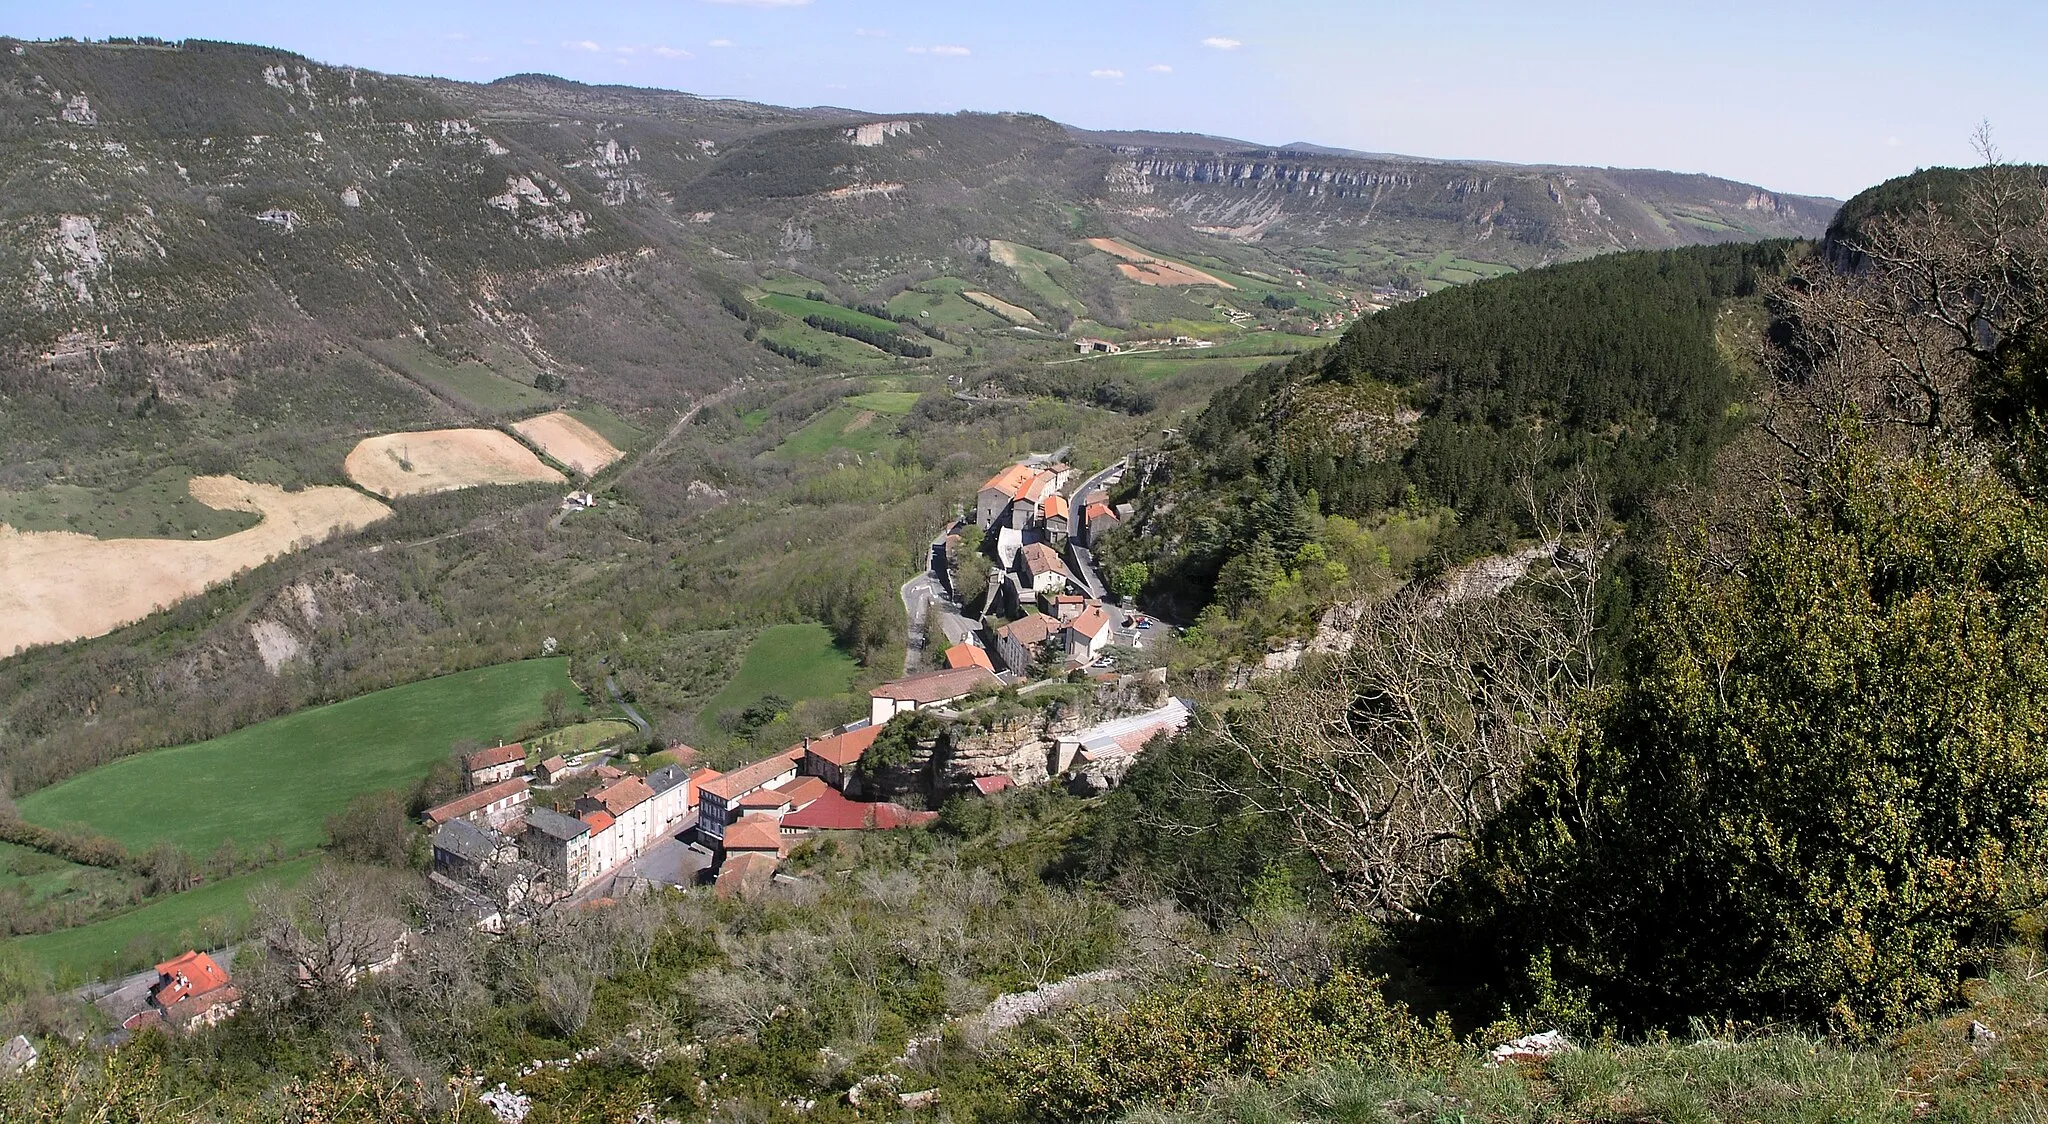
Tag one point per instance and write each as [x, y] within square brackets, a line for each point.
[1813, 97]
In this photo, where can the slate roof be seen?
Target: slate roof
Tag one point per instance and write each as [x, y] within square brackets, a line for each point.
[665, 778]
[551, 823]
[467, 841]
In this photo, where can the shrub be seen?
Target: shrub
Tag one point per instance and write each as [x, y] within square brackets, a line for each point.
[1167, 1045]
[1820, 792]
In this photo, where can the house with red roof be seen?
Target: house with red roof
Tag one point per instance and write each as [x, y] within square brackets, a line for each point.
[487, 767]
[835, 812]
[753, 834]
[191, 991]
[1016, 497]
[492, 807]
[834, 758]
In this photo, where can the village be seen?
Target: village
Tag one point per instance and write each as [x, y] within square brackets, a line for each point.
[525, 836]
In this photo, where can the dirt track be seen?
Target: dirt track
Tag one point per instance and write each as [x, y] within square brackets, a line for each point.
[57, 585]
[570, 442]
[441, 460]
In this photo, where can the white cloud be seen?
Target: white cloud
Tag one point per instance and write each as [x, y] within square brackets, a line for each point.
[957, 52]
[871, 33]
[1220, 43]
[1160, 68]
[627, 50]
[720, 43]
[1891, 142]
[1105, 74]
[581, 45]
[673, 53]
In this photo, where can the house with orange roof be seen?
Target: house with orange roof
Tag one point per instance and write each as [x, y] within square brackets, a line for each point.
[487, 767]
[753, 834]
[191, 991]
[834, 812]
[1016, 496]
[1018, 644]
[554, 770]
[630, 804]
[1088, 634]
[834, 758]
[968, 655]
[803, 792]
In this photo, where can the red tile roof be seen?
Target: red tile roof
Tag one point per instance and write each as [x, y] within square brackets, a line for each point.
[746, 874]
[1055, 506]
[598, 821]
[1032, 630]
[754, 833]
[685, 755]
[1042, 559]
[989, 786]
[967, 655]
[844, 750]
[802, 791]
[554, 766]
[610, 772]
[623, 795]
[470, 802]
[1011, 481]
[747, 778]
[1092, 623]
[935, 686]
[491, 758]
[834, 812]
[193, 973]
[765, 798]
[1096, 511]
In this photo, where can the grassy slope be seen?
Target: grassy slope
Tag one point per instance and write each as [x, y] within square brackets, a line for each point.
[157, 506]
[609, 426]
[886, 401]
[795, 661]
[840, 427]
[45, 877]
[201, 918]
[946, 307]
[280, 779]
[471, 381]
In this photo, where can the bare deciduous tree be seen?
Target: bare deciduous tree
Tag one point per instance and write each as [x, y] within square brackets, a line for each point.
[1895, 333]
[1385, 758]
[329, 931]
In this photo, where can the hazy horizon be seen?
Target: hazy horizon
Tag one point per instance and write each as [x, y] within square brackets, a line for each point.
[1816, 99]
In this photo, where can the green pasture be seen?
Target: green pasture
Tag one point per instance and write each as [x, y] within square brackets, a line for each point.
[609, 426]
[847, 428]
[943, 306]
[834, 348]
[1035, 269]
[580, 738]
[796, 308]
[158, 506]
[886, 401]
[795, 661]
[1165, 365]
[476, 384]
[282, 778]
[204, 918]
[42, 877]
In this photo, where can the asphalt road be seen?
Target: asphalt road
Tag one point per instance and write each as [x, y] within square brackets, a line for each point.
[671, 862]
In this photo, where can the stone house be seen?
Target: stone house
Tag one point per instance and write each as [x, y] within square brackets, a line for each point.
[487, 767]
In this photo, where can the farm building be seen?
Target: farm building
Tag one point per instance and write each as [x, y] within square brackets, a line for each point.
[487, 767]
